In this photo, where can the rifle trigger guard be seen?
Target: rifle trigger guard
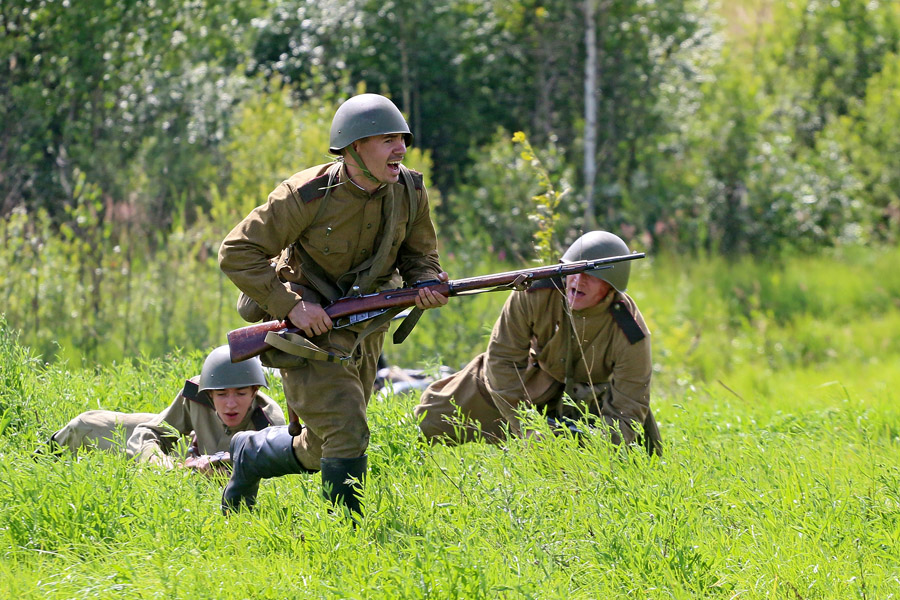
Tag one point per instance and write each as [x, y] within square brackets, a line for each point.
[521, 283]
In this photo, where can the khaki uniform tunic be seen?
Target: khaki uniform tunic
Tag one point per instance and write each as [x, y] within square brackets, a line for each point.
[104, 429]
[330, 398]
[159, 435]
[525, 365]
[144, 435]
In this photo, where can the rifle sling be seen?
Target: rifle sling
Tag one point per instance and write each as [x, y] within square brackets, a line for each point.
[297, 345]
[412, 318]
[311, 271]
[404, 329]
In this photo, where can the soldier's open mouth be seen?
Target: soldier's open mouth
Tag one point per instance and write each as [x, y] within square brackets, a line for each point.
[573, 293]
[394, 166]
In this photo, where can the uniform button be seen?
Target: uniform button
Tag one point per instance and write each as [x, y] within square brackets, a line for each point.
[326, 249]
[364, 252]
[328, 231]
[369, 226]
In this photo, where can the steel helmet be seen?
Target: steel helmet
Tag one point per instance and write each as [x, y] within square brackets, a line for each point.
[602, 244]
[220, 373]
[365, 115]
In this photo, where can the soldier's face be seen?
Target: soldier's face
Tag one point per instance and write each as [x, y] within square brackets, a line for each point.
[584, 291]
[232, 404]
[382, 155]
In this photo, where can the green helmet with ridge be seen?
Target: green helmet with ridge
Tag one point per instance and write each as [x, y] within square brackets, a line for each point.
[602, 244]
[363, 116]
[220, 373]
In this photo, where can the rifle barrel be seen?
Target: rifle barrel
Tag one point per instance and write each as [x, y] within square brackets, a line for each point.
[538, 273]
[247, 342]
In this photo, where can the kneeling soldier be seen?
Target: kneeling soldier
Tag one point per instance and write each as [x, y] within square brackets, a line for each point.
[583, 336]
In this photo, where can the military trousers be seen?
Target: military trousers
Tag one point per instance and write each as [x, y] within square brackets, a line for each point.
[458, 409]
[331, 398]
[104, 429]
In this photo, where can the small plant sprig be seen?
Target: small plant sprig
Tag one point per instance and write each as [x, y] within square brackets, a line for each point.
[544, 215]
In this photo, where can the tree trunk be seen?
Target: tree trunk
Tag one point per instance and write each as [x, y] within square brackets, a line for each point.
[590, 113]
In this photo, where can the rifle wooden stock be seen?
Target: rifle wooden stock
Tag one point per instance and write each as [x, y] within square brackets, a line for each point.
[250, 341]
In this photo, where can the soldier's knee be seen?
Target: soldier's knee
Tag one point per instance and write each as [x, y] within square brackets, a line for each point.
[347, 444]
[432, 424]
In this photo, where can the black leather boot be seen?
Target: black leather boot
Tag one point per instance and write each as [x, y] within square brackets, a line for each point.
[338, 485]
[257, 455]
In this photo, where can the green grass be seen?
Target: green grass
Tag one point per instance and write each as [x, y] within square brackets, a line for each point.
[780, 478]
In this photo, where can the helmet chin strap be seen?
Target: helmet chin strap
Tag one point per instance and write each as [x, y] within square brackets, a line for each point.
[361, 165]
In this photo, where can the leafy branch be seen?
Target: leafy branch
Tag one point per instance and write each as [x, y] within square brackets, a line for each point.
[544, 215]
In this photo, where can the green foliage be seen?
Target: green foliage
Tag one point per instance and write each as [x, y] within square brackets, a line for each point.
[544, 215]
[829, 50]
[751, 172]
[272, 138]
[492, 209]
[17, 367]
[88, 295]
[775, 153]
[866, 135]
[102, 87]
[720, 316]
[767, 130]
[437, 60]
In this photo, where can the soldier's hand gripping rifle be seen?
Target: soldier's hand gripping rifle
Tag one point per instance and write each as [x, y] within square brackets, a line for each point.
[250, 341]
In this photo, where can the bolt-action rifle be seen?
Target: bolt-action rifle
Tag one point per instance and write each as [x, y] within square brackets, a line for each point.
[250, 341]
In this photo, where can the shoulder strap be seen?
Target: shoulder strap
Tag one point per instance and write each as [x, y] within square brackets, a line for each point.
[413, 181]
[626, 321]
[192, 392]
[315, 188]
[362, 273]
[259, 419]
[316, 276]
[410, 181]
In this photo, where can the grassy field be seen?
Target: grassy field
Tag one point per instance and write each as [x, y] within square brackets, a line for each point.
[776, 392]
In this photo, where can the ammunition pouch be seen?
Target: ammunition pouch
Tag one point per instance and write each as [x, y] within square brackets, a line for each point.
[276, 359]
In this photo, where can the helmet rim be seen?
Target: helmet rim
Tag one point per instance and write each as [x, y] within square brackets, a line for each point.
[220, 373]
[595, 245]
[363, 116]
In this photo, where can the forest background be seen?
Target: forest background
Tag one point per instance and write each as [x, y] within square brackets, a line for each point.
[136, 134]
